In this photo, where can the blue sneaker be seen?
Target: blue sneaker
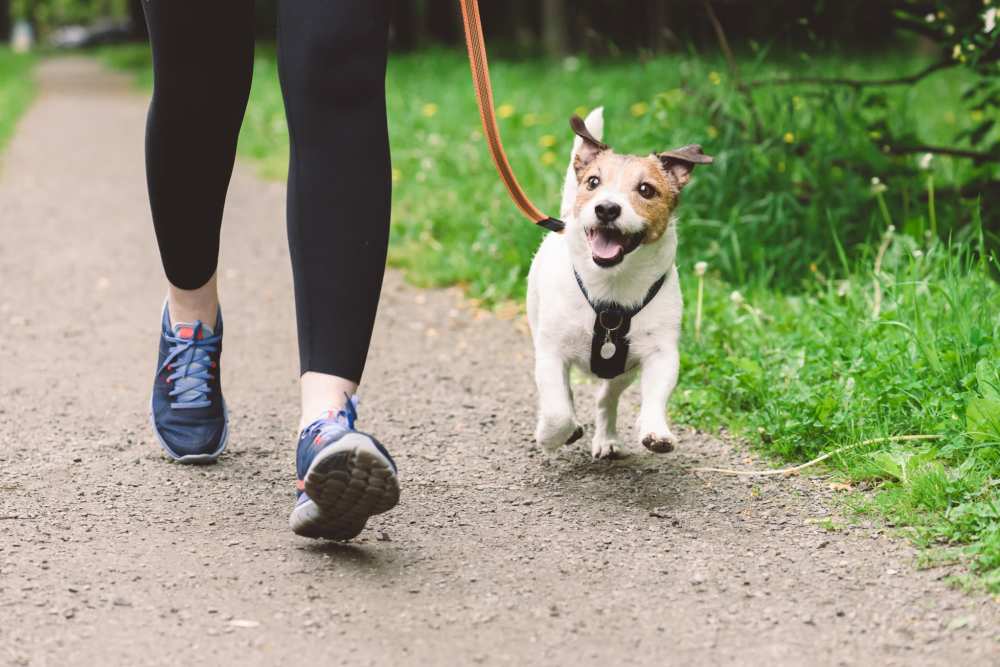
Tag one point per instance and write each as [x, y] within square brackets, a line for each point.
[188, 412]
[344, 477]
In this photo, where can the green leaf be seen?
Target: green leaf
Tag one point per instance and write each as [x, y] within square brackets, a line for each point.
[901, 463]
[982, 419]
[988, 378]
[889, 463]
[753, 374]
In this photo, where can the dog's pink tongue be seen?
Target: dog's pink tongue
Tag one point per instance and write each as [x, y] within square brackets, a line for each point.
[605, 247]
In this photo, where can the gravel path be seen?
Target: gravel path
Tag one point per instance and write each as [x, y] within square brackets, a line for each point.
[497, 555]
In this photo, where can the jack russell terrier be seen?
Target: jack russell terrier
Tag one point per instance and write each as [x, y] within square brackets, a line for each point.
[604, 295]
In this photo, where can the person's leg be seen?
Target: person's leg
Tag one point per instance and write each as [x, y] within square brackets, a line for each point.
[202, 65]
[332, 59]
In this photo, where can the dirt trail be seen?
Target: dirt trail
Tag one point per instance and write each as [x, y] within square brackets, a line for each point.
[497, 555]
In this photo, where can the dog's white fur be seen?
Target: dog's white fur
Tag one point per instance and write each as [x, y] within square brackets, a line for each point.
[562, 322]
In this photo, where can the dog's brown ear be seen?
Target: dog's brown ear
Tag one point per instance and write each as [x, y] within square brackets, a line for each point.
[680, 162]
[589, 149]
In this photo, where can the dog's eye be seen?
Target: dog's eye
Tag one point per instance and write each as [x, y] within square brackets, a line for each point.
[593, 182]
[646, 191]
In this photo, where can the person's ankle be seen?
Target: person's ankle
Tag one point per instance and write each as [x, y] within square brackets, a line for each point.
[189, 306]
[323, 393]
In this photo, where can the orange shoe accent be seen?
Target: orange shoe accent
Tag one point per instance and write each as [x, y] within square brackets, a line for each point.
[188, 332]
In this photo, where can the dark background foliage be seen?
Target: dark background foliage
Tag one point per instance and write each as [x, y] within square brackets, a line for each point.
[592, 26]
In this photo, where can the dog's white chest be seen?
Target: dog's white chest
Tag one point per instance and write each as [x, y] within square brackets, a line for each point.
[563, 321]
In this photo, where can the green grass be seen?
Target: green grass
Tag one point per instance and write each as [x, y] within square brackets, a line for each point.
[798, 363]
[804, 374]
[16, 90]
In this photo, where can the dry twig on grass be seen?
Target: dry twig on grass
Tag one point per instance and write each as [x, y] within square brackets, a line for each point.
[818, 459]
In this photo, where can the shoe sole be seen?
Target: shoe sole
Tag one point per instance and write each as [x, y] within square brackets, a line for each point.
[347, 483]
[194, 459]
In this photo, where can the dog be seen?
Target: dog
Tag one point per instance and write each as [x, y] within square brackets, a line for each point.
[604, 295]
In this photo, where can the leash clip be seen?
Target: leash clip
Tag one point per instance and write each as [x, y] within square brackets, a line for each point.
[552, 224]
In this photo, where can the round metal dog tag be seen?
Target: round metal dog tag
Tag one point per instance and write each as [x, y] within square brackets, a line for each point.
[608, 350]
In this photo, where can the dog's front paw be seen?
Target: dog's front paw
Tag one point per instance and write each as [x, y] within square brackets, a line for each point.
[660, 443]
[551, 434]
[606, 448]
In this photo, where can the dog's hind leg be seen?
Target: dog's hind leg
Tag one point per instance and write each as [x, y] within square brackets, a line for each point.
[557, 424]
[606, 443]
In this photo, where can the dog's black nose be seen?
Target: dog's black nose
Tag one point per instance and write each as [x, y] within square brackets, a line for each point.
[607, 212]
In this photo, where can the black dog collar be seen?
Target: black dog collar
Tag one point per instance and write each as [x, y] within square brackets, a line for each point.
[609, 347]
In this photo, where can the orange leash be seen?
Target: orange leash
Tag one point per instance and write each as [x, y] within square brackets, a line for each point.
[476, 44]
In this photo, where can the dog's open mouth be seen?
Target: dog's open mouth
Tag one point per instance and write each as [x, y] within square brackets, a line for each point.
[608, 246]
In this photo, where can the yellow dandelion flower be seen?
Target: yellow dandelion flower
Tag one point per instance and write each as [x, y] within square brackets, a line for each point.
[547, 141]
[548, 157]
[530, 119]
[976, 115]
[713, 132]
[715, 78]
[397, 175]
[581, 111]
[429, 109]
[789, 137]
[639, 109]
[505, 110]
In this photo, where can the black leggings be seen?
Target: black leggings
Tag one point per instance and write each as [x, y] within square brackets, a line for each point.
[331, 59]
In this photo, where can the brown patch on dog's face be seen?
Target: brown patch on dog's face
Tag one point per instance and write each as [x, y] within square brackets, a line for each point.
[587, 156]
[654, 197]
[624, 201]
[650, 190]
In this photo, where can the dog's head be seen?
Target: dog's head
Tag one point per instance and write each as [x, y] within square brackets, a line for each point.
[623, 202]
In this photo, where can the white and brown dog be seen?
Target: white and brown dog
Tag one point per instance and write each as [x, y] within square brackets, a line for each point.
[604, 295]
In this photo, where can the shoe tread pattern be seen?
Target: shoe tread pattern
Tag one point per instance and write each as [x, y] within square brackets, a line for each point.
[347, 487]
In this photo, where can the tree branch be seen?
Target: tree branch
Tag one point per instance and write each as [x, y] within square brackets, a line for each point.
[734, 70]
[720, 35]
[942, 150]
[855, 83]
